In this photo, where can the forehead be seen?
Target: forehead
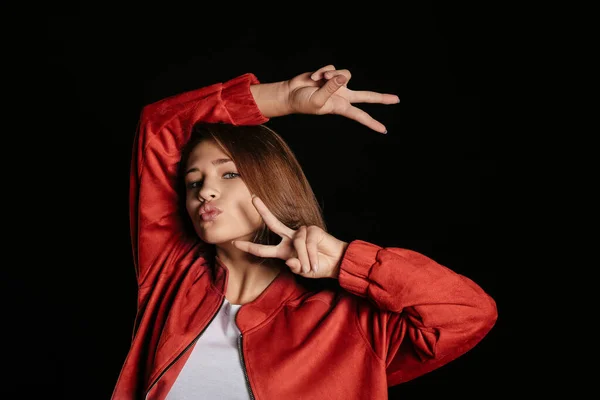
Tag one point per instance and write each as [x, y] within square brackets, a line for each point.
[207, 150]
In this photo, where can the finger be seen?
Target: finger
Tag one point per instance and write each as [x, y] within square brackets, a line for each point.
[318, 74]
[259, 250]
[333, 73]
[363, 96]
[361, 116]
[271, 220]
[300, 247]
[321, 95]
[312, 244]
[294, 265]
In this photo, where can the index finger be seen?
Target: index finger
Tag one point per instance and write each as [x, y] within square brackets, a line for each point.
[364, 118]
[272, 222]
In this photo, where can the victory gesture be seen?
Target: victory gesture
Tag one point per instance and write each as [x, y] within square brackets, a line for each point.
[308, 251]
[324, 91]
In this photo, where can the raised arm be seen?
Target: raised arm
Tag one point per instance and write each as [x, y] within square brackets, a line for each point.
[156, 227]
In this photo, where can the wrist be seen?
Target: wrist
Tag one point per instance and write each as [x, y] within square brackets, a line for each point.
[272, 99]
[336, 270]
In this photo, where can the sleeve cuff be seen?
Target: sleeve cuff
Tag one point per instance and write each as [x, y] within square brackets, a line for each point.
[239, 102]
[356, 266]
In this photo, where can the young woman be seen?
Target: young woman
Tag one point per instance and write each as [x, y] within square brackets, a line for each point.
[227, 239]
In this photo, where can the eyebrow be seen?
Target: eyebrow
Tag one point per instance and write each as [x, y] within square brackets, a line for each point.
[216, 162]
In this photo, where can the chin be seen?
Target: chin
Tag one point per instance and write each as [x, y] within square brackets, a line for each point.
[215, 237]
[210, 238]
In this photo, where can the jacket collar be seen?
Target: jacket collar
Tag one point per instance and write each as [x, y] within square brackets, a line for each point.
[283, 288]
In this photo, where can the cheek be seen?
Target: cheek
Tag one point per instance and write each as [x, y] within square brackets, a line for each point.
[243, 198]
[253, 216]
[191, 205]
[247, 215]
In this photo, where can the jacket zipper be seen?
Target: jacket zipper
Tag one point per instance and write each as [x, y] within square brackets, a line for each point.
[244, 367]
[184, 350]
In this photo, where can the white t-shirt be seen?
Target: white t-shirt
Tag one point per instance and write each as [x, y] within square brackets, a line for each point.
[214, 369]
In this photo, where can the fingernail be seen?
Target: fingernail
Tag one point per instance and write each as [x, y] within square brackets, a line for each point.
[340, 79]
[385, 133]
[313, 77]
[315, 267]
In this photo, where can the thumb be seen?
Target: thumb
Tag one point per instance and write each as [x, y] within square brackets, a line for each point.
[320, 97]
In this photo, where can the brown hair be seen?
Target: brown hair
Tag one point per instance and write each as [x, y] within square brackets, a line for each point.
[269, 169]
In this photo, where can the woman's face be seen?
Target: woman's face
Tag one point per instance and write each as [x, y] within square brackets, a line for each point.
[217, 199]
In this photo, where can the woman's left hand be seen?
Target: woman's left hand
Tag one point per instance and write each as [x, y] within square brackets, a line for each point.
[308, 251]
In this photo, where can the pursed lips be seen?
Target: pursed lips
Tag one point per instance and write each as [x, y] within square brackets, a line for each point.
[209, 212]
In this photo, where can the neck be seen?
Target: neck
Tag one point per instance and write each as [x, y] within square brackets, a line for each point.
[248, 276]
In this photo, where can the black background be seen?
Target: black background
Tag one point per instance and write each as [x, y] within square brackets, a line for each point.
[431, 184]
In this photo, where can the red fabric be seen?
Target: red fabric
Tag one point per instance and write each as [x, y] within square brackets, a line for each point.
[397, 314]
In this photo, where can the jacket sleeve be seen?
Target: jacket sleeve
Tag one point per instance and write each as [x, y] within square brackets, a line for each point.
[425, 315]
[164, 127]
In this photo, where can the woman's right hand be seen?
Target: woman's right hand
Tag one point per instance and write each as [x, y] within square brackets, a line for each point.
[324, 91]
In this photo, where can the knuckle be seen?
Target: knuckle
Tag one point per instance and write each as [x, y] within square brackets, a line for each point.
[331, 87]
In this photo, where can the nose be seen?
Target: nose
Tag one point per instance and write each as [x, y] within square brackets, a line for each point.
[208, 193]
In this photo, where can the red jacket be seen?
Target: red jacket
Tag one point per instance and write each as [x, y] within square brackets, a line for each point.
[396, 314]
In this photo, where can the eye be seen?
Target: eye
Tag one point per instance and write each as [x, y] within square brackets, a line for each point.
[194, 185]
[198, 184]
[230, 175]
